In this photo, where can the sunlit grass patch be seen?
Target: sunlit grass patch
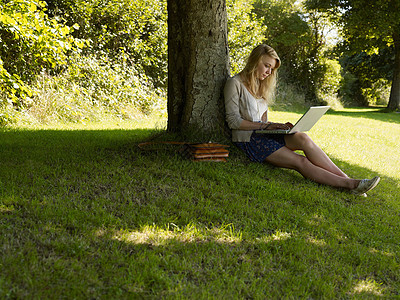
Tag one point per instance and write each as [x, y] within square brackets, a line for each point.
[317, 242]
[191, 233]
[375, 251]
[277, 236]
[367, 287]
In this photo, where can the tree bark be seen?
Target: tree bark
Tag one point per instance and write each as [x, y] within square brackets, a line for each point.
[198, 64]
[394, 100]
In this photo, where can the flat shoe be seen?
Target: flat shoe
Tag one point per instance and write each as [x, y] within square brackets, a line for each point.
[366, 185]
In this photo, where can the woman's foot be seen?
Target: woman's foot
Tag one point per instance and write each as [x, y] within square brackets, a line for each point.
[366, 185]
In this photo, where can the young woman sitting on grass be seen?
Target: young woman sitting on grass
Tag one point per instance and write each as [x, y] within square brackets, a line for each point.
[247, 96]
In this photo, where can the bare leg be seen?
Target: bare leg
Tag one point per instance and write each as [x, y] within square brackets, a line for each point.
[301, 141]
[286, 158]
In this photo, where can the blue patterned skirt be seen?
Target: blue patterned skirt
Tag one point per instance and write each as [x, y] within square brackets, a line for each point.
[262, 145]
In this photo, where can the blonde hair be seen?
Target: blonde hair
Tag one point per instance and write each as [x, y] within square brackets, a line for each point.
[260, 88]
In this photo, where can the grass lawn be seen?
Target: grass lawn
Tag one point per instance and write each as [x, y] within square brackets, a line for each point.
[86, 214]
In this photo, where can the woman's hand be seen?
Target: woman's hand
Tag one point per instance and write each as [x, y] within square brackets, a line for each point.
[274, 126]
[289, 124]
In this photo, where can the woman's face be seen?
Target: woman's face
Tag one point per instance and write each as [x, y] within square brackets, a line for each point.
[265, 67]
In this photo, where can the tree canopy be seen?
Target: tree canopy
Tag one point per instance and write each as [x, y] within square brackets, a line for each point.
[370, 27]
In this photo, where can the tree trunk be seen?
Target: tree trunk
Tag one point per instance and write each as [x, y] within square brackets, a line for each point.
[394, 100]
[198, 64]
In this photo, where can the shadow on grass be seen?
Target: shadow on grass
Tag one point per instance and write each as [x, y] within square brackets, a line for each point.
[88, 214]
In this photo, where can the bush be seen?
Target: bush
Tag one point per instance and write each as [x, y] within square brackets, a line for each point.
[353, 93]
[329, 83]
[55, 87]
[367, 77]
[289, 97]
[7, 114]
[30, 42]
[378, 93]
[350, 90]
[91, 89]
[114, 27]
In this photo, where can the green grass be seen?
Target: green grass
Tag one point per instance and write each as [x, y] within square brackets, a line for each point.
[86, 214]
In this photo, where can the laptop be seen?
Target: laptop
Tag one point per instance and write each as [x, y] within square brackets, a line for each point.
[305, 123]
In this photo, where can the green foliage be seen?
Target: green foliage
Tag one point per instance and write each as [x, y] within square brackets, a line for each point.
[93, 89]
[329, 83]
[30, 43]
[367, 25]
[244, 32]
[369, 28]
[137, 29]
[373, 73]
[350, 90]
[7, 114]
[298, 37]
[127, 41]
[378, 93]
[284, 25]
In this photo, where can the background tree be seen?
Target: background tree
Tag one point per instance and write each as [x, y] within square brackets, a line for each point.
[299, 38]
[245, 31]
[198, 64]
[369, 26]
